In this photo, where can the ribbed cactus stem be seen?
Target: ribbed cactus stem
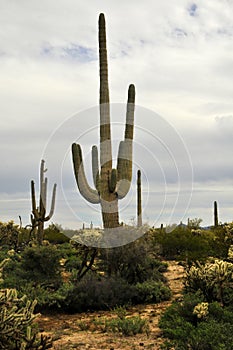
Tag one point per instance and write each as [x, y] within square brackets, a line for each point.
[139, 199]
[215, 214]
[110, 184]
[38, 216]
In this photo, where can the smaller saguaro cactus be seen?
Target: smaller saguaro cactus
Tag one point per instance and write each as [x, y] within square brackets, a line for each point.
[139, 199]
[39, 217]
[215, 214]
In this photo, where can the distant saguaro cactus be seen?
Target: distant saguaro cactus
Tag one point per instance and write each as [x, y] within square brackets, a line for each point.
[110, 184]
[215, 214]
[38, 216]
[139, 199]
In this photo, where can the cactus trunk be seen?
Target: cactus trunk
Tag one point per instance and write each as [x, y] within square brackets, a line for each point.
[139, 200]
[110, 184]
[215, 214]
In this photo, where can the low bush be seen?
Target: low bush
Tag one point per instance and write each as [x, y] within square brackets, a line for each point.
[128, 326]
[184, 243]
[98, 293]
[133, 262]
[151, 292]
[197, 325]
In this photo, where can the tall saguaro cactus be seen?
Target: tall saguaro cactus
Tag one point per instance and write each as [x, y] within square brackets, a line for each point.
[110, 184]
[215, 214]
[139, 199]
[39, 216]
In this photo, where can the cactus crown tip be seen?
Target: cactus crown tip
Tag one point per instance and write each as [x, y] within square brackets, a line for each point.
[101, 17]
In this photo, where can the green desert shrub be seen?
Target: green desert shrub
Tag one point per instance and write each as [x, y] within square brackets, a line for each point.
[98, 293]
[151, 292]
[54, 235]
[133, 262]
[41, 264]
[197, 325]
[127, 326]
[184, 243]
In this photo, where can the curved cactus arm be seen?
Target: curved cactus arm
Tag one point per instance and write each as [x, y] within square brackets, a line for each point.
[129, 126]
[48, 217]
[33, 195]
[95, 167]
[86, 191]
[124, 163]
[124, 168]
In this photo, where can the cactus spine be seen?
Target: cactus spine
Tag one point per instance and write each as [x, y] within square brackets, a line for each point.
[39, 217]
[110, 184]
[215, 214]
[139, 199]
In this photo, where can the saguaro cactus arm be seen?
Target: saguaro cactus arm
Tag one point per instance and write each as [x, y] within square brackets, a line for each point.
[86, 191]
[48, 217]
[95, 167]
[33, 195]
[124, 163]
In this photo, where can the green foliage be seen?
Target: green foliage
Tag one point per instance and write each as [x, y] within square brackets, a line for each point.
[35, 272]
[187, 243]
[41, 264]
[152, 292]
[98, 293]
[9, 235]
[16, 326]
[133, 262]
[49, 274]
[54, 235]
[127, 326]
[185, 330]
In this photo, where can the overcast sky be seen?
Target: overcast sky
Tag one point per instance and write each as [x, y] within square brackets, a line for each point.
[179, 55]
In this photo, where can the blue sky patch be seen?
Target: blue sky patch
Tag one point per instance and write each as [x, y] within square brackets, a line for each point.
[80, 53]
[73, 52]
[192, 10]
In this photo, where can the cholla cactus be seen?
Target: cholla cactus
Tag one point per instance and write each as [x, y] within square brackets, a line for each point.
[201, 310]
[211, 278]
[2, 264]
[230, 252]
[17, 317]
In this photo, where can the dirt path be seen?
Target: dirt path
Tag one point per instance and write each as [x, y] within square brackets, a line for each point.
[65, 329]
